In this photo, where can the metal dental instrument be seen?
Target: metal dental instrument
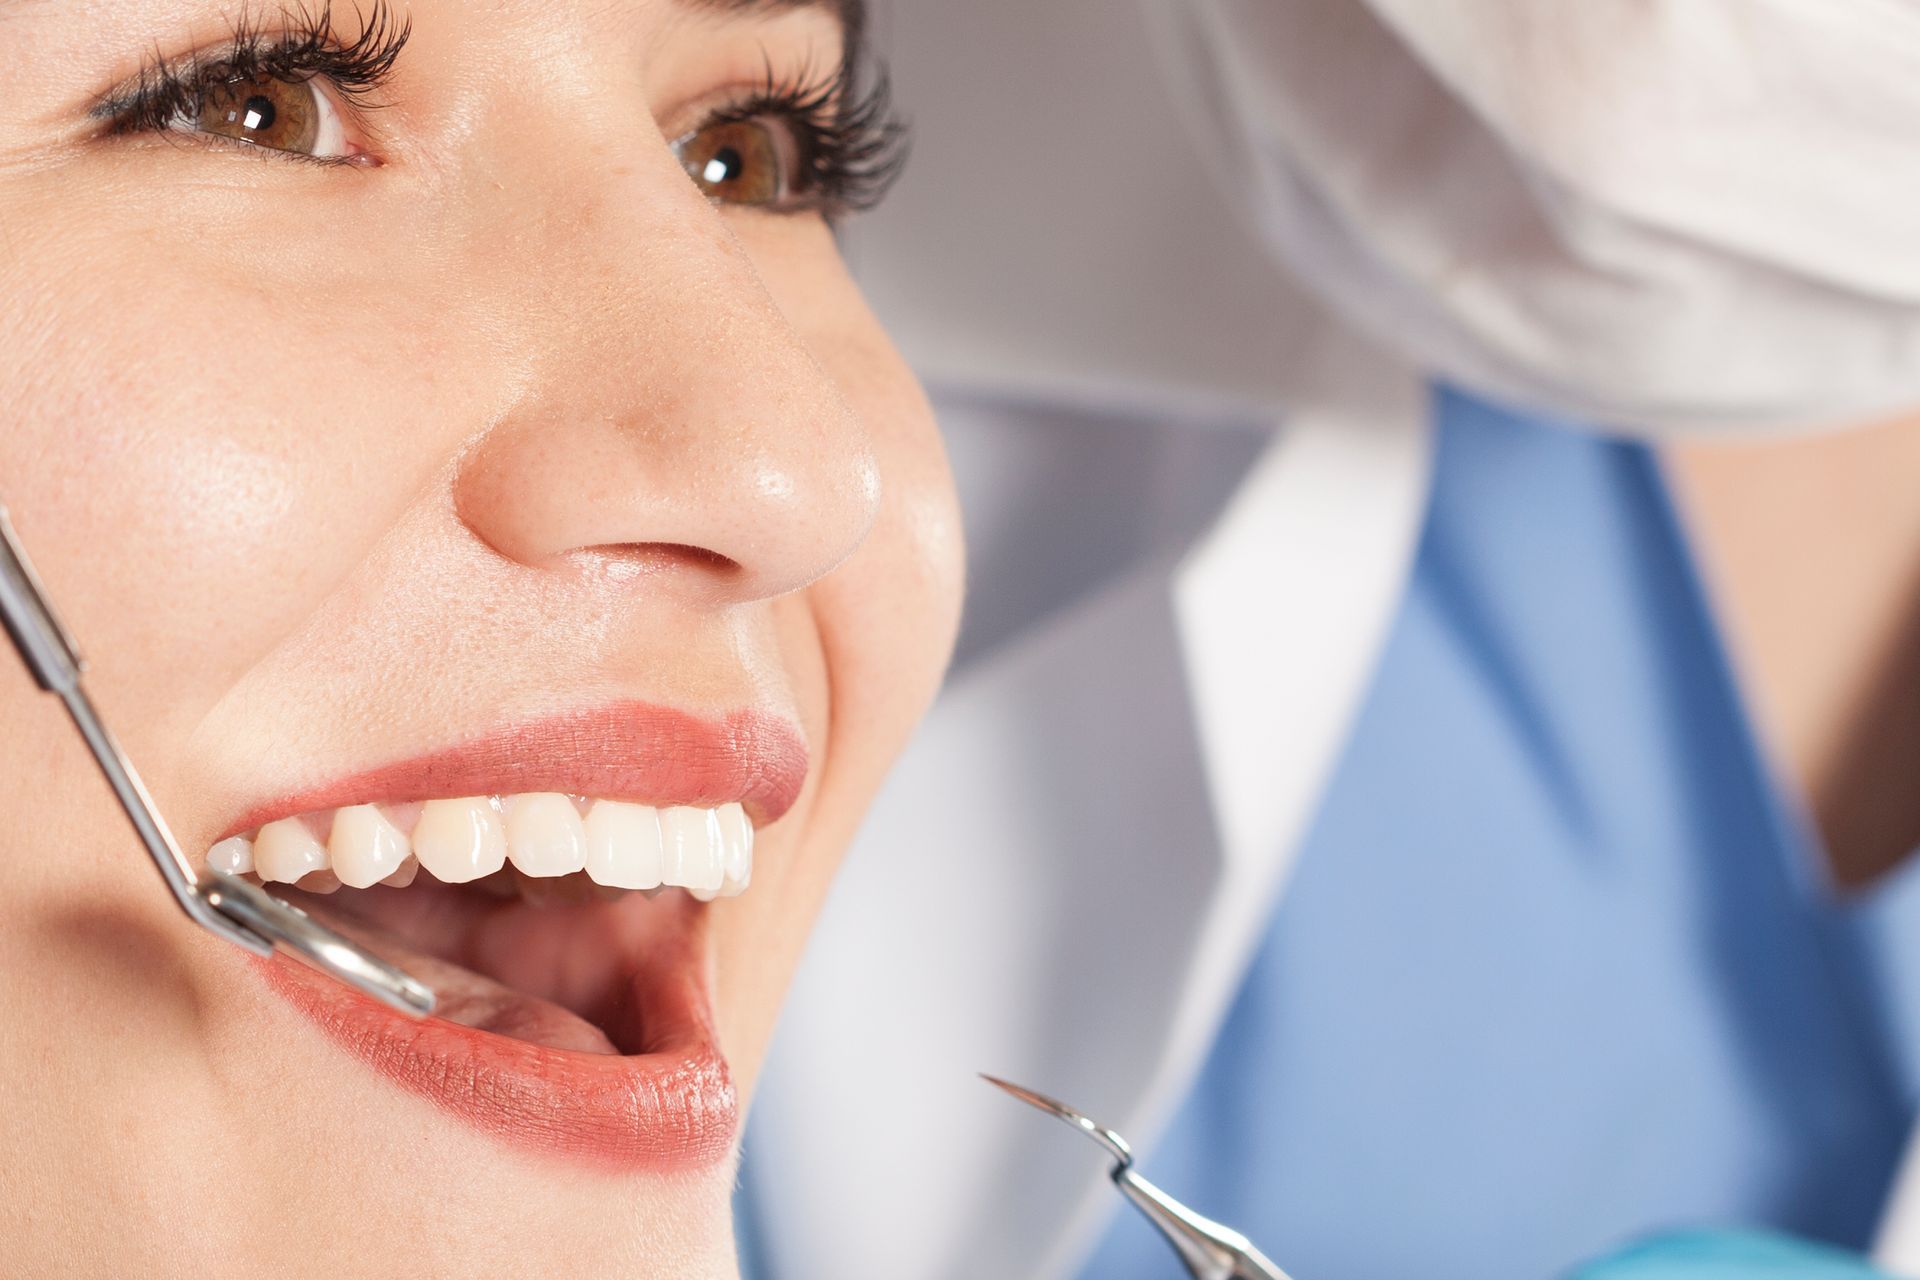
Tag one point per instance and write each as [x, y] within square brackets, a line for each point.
[1211, 1251]
[234, 909]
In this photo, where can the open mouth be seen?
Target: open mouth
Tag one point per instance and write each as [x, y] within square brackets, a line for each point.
[531, 916]
[564, 937]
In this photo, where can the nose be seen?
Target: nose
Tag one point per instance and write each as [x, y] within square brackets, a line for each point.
[668, 415]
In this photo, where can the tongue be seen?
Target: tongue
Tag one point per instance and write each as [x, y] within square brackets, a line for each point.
[462, 995]
[471, 1000]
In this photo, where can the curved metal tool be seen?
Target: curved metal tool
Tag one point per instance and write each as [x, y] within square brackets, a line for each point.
[1210, 1250]
[242, 913]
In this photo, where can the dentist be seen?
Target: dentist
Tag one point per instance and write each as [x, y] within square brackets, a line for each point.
[1430, 753]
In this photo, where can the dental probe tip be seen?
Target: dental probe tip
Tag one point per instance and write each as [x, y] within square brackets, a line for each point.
[1115, 1144]
[1211, 1251]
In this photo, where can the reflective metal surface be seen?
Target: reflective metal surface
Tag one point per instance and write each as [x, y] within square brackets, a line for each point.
[1115, 1144]
[235, 910]
[300, 934]
[1210, 1250]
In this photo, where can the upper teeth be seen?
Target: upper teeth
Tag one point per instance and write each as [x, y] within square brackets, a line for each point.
[708, 852]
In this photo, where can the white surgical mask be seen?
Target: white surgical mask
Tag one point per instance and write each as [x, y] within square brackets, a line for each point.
[1679, 217]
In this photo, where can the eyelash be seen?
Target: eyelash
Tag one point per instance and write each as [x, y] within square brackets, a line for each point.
[852, 145]
[164, 92]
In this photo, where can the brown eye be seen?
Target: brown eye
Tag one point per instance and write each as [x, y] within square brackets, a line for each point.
[737, 161]
[277, 114]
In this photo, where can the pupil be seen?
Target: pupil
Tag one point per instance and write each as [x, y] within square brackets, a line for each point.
[258, 113]
[724, 167]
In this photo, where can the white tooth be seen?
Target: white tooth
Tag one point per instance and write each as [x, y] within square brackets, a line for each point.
[545, 836]
[234, 855]
[364, 846]
[736, 850]
[460, 840]
[623, 845]
[690, 848]
[286, 850]
[404, 876]
[602, 893]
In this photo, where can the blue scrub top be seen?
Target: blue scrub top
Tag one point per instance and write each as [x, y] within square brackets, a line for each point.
[1558, 966]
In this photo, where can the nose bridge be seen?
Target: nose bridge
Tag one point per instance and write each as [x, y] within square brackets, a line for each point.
[667, 409]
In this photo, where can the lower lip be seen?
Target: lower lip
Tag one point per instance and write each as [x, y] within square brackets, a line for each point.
[671, 1109]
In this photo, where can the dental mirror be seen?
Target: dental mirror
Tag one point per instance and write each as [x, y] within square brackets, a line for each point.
[234, 909]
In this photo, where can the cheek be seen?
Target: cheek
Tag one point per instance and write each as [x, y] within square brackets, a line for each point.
[866, 645]
[888, 617]
[182, 447]
[865, 648]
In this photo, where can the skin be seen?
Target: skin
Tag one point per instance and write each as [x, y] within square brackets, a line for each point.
[1813, 543]
[327, 467]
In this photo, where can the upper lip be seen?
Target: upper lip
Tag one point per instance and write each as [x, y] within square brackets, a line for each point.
[632, 751]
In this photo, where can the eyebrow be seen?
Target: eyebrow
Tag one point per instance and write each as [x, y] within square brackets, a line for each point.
[852, 13]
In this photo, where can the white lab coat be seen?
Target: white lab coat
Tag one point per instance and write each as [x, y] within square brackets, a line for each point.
[1192, 501]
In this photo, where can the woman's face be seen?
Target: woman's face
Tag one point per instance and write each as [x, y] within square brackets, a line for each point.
[538, 445]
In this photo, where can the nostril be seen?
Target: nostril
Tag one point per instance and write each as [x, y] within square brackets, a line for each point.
[640, 559]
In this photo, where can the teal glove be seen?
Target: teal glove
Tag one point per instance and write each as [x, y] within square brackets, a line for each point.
[1729, 1256]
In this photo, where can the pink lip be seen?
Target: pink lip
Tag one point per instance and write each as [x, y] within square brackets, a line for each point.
[670, 1107]
[623, 751]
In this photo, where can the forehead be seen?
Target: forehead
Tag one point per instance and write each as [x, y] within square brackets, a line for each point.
[852, 13]
[851, 16]
[841, 7]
